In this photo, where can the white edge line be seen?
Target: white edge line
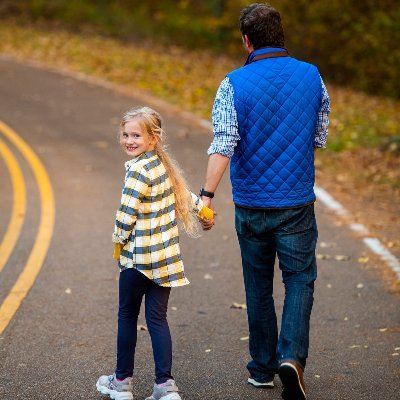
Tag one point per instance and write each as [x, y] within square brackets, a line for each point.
[377, 247]
[329, 201]
[374, 244]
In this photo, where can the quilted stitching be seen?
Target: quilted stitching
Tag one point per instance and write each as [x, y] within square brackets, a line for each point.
[277, 101]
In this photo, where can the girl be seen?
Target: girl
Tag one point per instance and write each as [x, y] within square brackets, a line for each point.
[146, 243]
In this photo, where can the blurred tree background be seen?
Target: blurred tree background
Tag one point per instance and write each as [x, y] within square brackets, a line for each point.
[354, 43]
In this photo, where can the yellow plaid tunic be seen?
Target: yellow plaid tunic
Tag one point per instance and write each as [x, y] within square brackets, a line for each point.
[146, 224]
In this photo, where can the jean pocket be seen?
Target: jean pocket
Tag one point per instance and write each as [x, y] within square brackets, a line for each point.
[298, 219]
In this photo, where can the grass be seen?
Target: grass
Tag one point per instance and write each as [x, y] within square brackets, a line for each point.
[181, 77]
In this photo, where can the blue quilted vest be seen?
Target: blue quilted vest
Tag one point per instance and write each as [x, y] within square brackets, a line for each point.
[277, 102]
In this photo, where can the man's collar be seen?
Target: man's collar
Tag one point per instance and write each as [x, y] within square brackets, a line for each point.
[265, 50]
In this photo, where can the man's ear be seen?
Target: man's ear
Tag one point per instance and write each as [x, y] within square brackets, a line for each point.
[248, 44]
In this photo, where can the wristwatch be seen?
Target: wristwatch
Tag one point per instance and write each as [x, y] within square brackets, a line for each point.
[205, 193]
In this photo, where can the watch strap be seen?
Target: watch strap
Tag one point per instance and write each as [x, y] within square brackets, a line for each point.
[205, 193]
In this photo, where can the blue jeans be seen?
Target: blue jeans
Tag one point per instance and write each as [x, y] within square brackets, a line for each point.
[133, 285]
[291, 235]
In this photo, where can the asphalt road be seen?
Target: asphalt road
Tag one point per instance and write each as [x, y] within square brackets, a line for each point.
[63, 335]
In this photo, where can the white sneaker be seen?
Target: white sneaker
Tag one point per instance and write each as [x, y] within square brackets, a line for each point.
[266, 385]
[117, 390]
[165, 391]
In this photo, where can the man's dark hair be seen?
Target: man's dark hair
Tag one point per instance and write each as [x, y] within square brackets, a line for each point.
[263, 26]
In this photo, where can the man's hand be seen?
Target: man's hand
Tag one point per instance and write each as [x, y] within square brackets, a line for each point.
[207, 224]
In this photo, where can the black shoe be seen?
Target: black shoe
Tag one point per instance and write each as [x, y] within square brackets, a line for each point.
[291, 376]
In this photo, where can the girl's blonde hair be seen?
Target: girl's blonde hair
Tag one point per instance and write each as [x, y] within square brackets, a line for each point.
[151, 121]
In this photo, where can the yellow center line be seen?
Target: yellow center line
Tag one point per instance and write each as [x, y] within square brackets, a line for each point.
[34, 263]
[19, 205]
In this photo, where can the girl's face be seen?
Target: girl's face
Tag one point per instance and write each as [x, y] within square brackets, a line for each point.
[135, 140]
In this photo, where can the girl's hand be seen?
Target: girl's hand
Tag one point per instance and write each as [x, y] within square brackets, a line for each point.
[206, 217]
[207, 224]
[207, 202]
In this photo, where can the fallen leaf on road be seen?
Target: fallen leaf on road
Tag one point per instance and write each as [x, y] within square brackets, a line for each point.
[360, 285]
[244, 338]
[363, 260]
[142, 328]
[325, 245]
[239, 306]
[345, 318]
[317, 376]
[396, 348]
[68, 291]
[207, 351]
[342, 258]
[174, 308]
[395, 354]
[383, 329]
[323, 257]
[354, 346]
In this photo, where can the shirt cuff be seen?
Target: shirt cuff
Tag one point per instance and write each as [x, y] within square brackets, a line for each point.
[214, 149]
[118, 239]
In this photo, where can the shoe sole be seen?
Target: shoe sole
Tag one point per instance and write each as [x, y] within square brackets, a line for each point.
[259, 385]
[113, 393]
[292, 389]
[171, 396]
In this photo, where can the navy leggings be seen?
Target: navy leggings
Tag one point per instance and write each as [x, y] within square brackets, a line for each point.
[133, 285]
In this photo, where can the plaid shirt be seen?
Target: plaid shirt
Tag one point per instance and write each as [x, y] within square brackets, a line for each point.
[225, 124]
[146, 224]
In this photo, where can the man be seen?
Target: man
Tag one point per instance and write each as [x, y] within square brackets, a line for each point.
[268, 117]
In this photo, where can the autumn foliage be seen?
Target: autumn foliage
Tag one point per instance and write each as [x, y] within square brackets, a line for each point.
[354, 43]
